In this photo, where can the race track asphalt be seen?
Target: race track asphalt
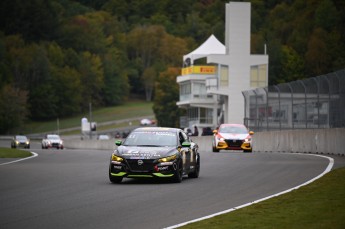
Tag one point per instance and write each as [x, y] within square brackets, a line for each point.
[70, 189]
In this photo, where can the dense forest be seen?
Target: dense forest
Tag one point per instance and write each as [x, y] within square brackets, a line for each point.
[57, 56]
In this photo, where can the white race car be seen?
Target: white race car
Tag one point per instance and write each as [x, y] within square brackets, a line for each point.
[52, 141]
[232, 137]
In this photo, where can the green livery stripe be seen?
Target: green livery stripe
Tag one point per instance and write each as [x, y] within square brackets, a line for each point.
[163, 175]
[120, 174]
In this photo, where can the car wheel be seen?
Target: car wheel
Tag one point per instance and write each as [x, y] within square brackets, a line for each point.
[195, 174]
[115, 180]
[247, 151]
[177, 178]
[215, 150]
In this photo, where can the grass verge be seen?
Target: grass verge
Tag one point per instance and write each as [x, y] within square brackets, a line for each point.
[13, 153]
[131, 109]
[319, 205]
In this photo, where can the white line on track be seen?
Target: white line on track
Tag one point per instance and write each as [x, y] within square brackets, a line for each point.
[22, 159]
[329, 167]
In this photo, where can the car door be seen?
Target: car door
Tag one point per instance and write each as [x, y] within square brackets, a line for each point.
[185, 152]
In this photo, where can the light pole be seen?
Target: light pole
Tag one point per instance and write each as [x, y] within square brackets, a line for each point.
[58, 126]
[90, 109]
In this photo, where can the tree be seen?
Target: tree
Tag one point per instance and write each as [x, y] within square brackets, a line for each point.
[116, 86]
[92, 78]
[149, 77]
[292, 65]
[13, 108]
[166, 96]
[152, 49]
[326, 15]
[35, 20]
[318, 58]
[68, 88]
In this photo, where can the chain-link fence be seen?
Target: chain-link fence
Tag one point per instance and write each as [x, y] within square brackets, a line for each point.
[317, 102]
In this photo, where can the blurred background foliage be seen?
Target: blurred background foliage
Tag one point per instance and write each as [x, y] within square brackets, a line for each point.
[57, 56]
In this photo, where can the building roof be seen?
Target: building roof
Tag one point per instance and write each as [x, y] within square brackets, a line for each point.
[211, 46]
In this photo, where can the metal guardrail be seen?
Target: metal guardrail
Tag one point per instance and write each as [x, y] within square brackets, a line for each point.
[313, 103]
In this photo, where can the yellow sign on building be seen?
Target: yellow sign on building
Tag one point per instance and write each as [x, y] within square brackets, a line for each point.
[210, 70]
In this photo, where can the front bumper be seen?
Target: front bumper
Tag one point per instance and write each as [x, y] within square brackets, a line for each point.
[230, 144]
[22, 144]
[148, 168]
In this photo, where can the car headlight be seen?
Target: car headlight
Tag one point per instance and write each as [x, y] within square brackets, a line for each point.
[116, 158]
[17, 143]
[167, 159]
[247, 140]
[27, 143]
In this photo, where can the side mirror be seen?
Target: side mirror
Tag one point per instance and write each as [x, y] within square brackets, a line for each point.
[251, 132]
[118, 142]
[186, 144]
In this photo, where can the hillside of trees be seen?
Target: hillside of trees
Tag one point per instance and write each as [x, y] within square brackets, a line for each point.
[57, 56]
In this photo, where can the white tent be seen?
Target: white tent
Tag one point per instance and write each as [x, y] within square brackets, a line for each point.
[211, 46]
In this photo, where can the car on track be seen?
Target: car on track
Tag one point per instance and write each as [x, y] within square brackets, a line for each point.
[232, 137]
[155, 152]
[103, 137]
[52, 141]
[20, 141]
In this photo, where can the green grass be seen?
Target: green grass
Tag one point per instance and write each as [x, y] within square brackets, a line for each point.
[319, 205]
[128, 110]
[13, 153]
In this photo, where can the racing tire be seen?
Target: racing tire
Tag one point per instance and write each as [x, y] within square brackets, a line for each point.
[115, 180]
[196, 172]
[247, 151]
[215, 150]
[178, 174]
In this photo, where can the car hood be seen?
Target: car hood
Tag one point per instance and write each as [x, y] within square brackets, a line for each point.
[136, 152]
[233, 136]
[54, 140]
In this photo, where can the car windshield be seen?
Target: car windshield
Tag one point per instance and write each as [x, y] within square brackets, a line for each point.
[233, 129]
[21, 138]
[151, 138]
[53, 137]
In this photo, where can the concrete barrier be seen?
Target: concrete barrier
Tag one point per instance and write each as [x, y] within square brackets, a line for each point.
[89, 144]
[204, 142]
[323, 141]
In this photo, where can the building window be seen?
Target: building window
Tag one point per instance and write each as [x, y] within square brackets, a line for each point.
[185, 89]
[258, 76]
[206, 115]
[193, 113]
[200, 115]
[224, 76]
[199, 90]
